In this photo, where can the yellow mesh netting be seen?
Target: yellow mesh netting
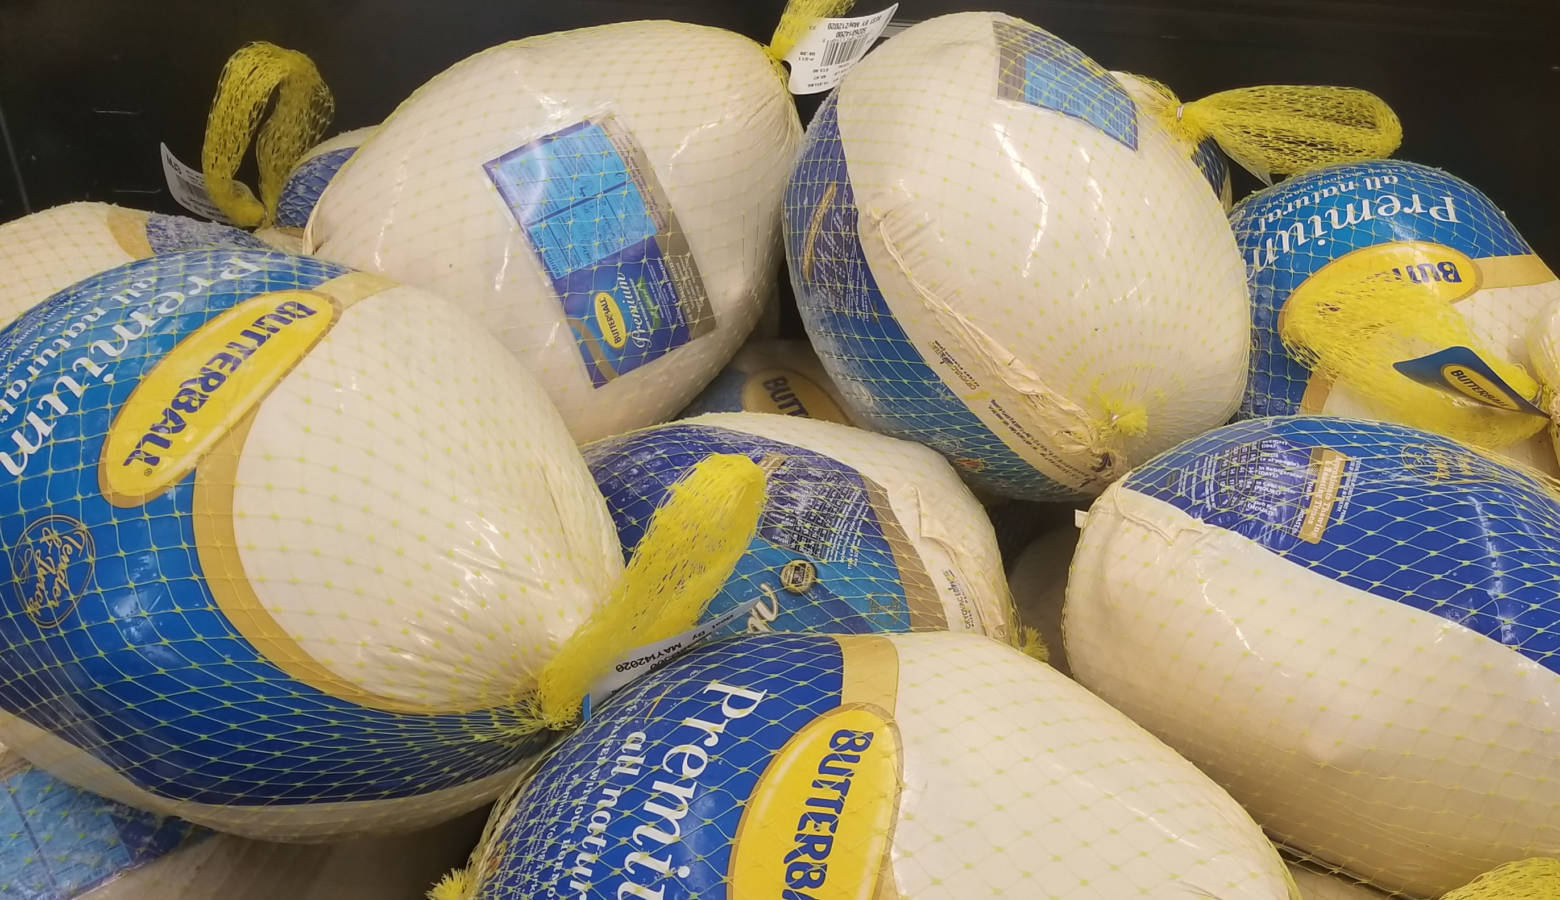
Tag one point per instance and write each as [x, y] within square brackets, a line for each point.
[1284, 129]
[299, 116]
[797, 17]
[690, 547]
[1527, 879]
[1353, 335]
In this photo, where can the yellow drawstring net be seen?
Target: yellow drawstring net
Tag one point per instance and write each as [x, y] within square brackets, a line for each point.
[797, 17]
[689, 549]
[1283, 129]
[302, 110]
[1354, 334]
[1527, 879]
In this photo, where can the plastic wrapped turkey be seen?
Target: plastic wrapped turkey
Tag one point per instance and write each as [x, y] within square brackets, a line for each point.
[1394, 291]
[1353, 626]
[919, 766]
[286, 546]
[605, 200]
[998, 251]
[51, 250]
[861, 533]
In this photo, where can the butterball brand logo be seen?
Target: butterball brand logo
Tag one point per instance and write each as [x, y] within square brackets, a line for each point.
[614, 329]
[205, 386]
[51, 567]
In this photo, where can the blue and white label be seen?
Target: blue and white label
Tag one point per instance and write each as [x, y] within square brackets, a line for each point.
[1041, 69]
[828, 555]
[1403, 515]
[112, 637]
[57, 842]
[301, 193]
[1420, 222]
[593, 211]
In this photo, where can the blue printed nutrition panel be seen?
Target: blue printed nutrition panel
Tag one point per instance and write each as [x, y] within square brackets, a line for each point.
[1289, 232]
[1041, 69]
[592, 210]
[649, 793]
[828, 555]
[111, 635]
[1407, 516]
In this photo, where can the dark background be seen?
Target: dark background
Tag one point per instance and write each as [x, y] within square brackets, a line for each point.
[88, 88]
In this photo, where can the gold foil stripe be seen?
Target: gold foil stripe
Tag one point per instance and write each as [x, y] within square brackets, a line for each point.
[1512, 271]
[870, 676]
[870, 673]
[921, 598]
[128, 227]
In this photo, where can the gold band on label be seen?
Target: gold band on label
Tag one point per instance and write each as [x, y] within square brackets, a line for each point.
[221, 560]
[870, 676]
[813, 227]
[1512, 271]
[128, 227]
[921, 599]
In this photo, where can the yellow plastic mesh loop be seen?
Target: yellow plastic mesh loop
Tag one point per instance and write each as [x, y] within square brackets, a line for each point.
[1284, 129]
[1353, 335]
[302, 110]
[1032, 644]
[1527, 879]
[797, 17]
[689, 549]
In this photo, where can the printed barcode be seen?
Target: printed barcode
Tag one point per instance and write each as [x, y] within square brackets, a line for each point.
[842, 51]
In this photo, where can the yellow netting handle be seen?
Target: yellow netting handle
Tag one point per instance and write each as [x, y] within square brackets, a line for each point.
[691, 545]
[796, 18]
[1527, 879]
[303, 109]
[1353, 334]
[1283, 129]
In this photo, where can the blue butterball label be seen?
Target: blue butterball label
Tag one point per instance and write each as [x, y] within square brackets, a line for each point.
[1403, 515]
[126, 403]
[607, 239]
[1040, 69]
[1340, 226]
[301, 193]
[898, 389]
[57, 841]
[167, 234]
[829, 553]
[760, 767]
[1462, 373]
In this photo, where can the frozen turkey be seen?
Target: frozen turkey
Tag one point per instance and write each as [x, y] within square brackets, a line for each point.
[51, 250]
[1352, 626]
[931, 766]
[605, 200]
[999, 253]
[286, 545]
[860, 533]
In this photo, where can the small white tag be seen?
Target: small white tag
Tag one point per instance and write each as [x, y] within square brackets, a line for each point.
[188, 188]
[641, 661]
[1080, 518]
[830, 47]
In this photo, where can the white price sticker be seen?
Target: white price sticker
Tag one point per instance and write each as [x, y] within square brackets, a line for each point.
[641, 661]
[188, 187]
[830, 47]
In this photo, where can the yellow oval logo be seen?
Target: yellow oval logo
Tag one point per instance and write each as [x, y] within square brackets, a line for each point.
[789, 393]
[1444, 273]
[609, 317]
[1475, 386]
[204, 386]
[821, 818]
